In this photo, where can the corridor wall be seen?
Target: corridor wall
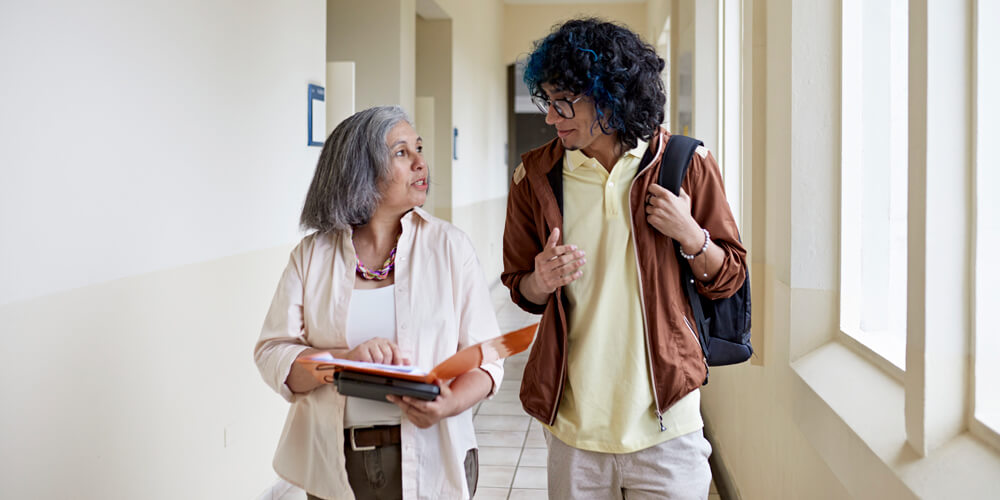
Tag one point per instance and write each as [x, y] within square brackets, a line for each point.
[154, 162]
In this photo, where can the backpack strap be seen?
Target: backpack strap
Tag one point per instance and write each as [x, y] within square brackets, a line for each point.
[673, 167]
[676, 158]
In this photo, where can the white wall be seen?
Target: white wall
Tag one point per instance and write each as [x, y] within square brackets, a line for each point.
[143, 144]
[142, 387]
[144, 136]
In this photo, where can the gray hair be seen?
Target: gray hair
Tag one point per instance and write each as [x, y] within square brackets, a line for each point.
[355, 160]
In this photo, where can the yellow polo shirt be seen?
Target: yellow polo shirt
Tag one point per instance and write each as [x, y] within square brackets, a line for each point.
[607, 404]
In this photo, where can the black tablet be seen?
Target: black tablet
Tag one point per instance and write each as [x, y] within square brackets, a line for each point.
[375, 387]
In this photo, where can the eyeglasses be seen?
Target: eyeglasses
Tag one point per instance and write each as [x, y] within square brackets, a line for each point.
[564, 107]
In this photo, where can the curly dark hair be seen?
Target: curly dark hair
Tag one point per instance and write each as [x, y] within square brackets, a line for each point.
[612, 66]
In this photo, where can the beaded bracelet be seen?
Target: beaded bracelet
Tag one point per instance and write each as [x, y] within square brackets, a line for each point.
[703, 247]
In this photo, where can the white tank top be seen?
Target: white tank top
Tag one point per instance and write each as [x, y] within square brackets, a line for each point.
[372, 313]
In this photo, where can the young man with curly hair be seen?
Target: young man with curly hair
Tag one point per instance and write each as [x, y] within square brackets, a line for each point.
[590, 243]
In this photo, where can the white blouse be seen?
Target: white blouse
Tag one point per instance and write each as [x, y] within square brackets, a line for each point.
[442, 304]
[372, 314]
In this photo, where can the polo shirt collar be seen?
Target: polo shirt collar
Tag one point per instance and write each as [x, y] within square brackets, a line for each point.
[576, 158]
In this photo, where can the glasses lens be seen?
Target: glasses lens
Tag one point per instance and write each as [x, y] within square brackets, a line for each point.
[564, 108]
[543, 104]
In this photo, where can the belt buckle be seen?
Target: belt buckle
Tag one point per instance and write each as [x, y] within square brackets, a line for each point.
[354, 444]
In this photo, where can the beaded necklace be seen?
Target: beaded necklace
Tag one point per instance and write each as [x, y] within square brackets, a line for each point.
[378, 274]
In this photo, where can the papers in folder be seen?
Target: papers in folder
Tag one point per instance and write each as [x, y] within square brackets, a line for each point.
[324, 365]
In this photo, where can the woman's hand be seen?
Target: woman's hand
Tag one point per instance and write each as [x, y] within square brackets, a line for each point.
[463, 392]
[377, 350]
[424, 414]
[671, 215]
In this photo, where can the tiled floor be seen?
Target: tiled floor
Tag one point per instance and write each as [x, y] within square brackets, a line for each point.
[511, 445]
[512, 453]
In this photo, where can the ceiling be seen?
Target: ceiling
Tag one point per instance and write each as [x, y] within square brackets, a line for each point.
[553, 2]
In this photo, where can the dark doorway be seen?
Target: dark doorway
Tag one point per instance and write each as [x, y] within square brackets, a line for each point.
[526, 128]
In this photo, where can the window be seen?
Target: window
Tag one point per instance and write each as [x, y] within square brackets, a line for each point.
[663, 49]
[730, 153]
[874, 179]
[987, 268]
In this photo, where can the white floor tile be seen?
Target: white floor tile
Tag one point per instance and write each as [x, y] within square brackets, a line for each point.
[500, 438]
[535, 439]
[495, 476]
[499, 455]
[524, 494]
[501, 423]
[534, 457]
[500, 408]
[491, 494]
[531, 477]
[509, 393]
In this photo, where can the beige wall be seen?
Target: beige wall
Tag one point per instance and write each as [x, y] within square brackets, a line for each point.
[154, 163]
[657, 13]
[524, 24]
[379, 38]
[479, 97]
[754, 411]
[476, 105]
[434, 79]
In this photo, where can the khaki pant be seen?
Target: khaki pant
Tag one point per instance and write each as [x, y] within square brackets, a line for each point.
[377, 474]
[676, 469]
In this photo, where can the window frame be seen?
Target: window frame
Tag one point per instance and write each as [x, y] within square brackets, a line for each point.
[984, 109]
[887, 351]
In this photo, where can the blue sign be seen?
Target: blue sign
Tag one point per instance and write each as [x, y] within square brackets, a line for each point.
[317, 115]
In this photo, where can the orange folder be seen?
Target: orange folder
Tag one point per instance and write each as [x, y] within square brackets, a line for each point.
[324, 365]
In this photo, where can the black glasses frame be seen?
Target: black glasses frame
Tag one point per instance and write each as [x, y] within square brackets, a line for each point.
[543, 105]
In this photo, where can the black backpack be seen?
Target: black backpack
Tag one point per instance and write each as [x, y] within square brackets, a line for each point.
[723, 324]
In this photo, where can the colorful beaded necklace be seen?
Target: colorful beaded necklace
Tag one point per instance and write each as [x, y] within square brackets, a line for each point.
[378, 274]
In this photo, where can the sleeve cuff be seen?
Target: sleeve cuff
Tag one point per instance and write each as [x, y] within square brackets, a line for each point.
[495, 371]
[522, 301]
[283, 368]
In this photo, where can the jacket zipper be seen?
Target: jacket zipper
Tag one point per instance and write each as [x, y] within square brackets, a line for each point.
[562, 369]
[642, 304]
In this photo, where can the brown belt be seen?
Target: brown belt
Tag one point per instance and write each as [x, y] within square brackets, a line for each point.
[369, 438]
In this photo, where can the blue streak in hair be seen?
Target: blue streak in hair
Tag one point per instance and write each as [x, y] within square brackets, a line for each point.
[596, 57]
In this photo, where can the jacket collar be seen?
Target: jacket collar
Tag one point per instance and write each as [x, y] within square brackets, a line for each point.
[546, 180]
[546, 157]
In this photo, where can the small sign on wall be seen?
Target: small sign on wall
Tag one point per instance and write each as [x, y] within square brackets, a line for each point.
[317, 115]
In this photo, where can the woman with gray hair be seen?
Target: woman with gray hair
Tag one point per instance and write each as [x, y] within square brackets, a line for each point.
[426, 300]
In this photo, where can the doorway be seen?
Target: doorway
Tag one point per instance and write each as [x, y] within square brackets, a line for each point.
[526, 127]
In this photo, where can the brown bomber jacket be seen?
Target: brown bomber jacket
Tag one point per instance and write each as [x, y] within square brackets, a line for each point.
[534, 208]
